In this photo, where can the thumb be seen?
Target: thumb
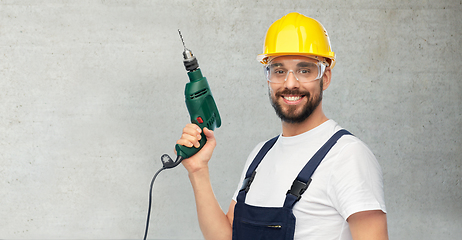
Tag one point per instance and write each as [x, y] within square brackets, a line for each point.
[210, 135]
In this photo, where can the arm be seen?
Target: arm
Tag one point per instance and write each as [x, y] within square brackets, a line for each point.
[368, 225]
[213, 222]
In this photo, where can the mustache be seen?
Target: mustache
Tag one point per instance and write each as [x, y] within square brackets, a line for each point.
[291, 92]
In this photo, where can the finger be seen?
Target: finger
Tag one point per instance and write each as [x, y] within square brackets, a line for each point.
[192, 126]
[210, 135]
[184, 142]
[192, 130]
[194, 139]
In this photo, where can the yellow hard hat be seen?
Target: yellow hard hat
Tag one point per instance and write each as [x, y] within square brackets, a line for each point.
[296, 34]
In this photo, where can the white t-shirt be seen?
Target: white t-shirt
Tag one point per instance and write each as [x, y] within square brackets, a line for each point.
[348, 180]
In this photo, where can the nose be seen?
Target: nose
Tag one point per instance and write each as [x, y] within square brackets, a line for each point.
[291, 81]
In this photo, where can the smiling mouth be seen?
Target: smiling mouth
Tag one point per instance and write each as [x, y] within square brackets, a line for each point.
[292, 99]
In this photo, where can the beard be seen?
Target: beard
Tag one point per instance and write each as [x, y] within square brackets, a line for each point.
[290, 115]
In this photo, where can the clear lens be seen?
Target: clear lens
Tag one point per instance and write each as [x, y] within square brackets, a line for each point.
[304, 70]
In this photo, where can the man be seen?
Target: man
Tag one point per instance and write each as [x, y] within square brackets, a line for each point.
[342, 199]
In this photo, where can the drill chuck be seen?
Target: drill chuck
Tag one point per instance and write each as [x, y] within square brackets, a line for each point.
[190, 63]
[187, 54]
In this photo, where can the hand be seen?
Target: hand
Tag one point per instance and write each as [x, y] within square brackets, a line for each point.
[190, 138]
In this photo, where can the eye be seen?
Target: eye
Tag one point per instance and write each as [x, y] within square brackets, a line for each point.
[305, 71]
[279, 71]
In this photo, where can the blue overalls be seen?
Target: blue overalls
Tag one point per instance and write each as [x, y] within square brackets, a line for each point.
[267, 223]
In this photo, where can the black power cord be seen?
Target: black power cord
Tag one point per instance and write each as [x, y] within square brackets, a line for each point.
[150, 202]
[167, 163]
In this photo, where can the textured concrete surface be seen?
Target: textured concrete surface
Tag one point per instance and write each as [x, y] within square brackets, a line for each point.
[92, 95]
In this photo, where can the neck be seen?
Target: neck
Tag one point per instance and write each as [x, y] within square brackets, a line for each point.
[315, 119]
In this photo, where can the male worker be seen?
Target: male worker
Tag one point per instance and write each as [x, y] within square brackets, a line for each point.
[315, 180]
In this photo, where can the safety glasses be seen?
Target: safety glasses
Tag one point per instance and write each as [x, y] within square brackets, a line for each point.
[304, 69]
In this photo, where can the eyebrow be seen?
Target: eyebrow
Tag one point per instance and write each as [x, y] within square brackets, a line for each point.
[277, 64]
[300, 64]
[305, 64]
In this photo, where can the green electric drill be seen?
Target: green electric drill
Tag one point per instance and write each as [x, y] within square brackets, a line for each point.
[201, 107]
[202, 111]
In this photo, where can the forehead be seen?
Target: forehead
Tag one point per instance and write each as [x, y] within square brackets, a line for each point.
[292, 60]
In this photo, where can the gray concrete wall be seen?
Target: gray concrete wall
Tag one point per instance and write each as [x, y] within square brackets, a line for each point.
[91, 96]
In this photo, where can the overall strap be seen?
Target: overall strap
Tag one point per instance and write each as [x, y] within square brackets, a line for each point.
[250, 174]
[303, 179]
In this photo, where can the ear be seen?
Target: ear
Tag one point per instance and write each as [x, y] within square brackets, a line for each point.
[326, 78]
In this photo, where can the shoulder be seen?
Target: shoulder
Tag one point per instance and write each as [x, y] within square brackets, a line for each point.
[356, 182]
[254, 153]
[351, 150]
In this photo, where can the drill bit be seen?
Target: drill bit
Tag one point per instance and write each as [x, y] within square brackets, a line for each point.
[181, 37]
[187, 54]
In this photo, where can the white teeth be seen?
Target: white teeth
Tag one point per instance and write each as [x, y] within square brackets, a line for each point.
[292, 98]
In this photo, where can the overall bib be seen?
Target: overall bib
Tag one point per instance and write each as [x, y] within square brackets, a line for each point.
[278, 223]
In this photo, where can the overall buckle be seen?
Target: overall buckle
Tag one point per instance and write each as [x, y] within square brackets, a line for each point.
[298, 188]
[246, 184]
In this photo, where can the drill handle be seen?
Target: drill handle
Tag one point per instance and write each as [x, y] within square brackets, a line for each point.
[186, 152]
